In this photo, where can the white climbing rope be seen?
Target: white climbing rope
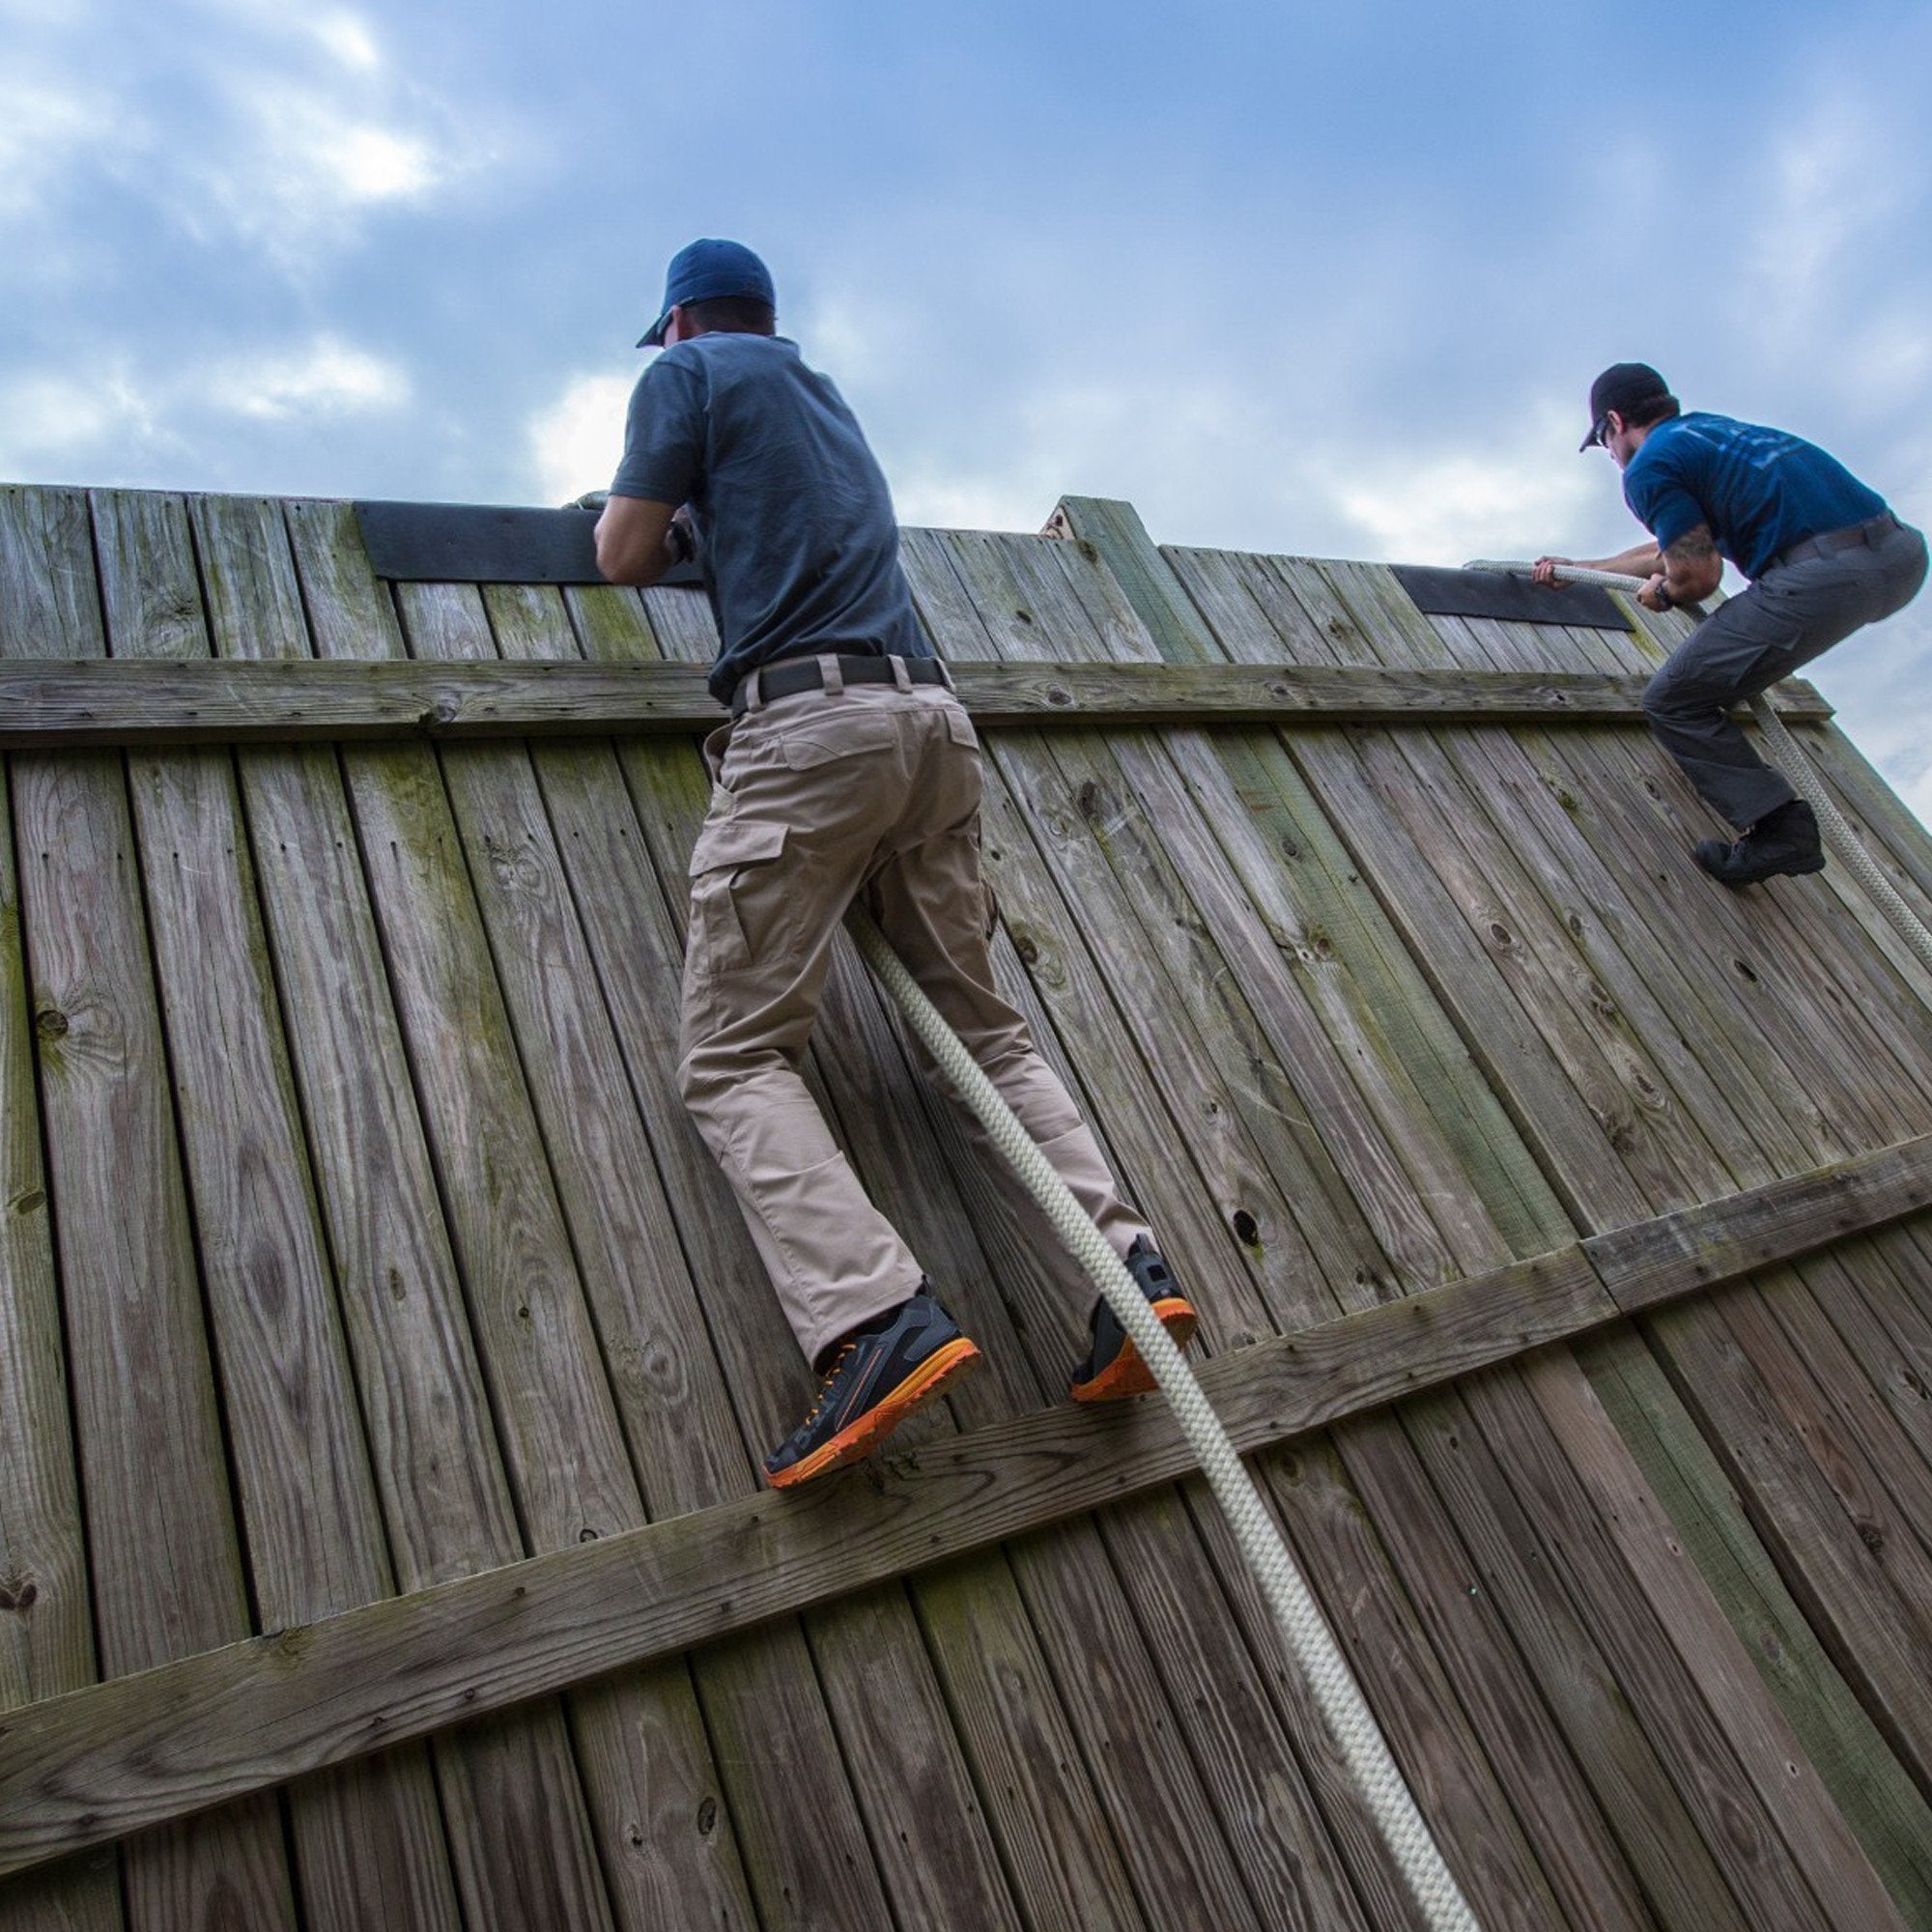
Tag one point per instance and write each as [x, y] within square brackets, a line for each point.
[1844, 840]
[1309, 1639]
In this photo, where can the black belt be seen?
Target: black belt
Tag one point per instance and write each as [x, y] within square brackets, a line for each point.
[791, 675]
[1849, 539]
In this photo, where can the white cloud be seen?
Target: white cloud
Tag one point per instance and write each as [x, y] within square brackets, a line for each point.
[52, 415]
[286, 130]
[46, 126]
[574, 443]
[347, 37]
[301, 166]
[117, 421]
[1446, 509]
[327, 378]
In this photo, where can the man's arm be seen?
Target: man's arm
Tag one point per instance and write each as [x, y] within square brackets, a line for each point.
[1691, 568]
[634, 540]
[1642, 559]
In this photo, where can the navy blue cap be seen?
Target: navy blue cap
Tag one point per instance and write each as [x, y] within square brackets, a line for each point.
[705, 269]
[1624, 386]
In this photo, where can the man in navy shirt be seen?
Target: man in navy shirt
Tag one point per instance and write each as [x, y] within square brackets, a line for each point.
[1824, 556]
[849, 770]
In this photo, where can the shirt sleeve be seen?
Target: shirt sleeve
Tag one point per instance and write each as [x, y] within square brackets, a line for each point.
[664, 434]
[1661, 502]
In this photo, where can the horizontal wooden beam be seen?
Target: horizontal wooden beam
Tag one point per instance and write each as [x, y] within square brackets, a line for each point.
[1658, 1261]
[97, 1764]
[51, 705]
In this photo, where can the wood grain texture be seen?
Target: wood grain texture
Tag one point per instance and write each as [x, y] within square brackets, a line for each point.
[59, 706]
[641, 1763]
[166, 1574]
[511, 1634]
[446, 1501]
[47, 1636]
[370, 1847]
[1323, 607]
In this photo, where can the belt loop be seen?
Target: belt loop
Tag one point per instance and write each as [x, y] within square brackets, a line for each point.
[900, 676]
[831, 674]
[752, 691]
[945, 674]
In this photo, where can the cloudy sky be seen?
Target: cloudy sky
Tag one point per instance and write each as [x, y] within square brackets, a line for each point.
[1321, 278]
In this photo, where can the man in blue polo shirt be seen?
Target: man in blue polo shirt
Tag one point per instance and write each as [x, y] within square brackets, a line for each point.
[848, 769]
[1824, 556]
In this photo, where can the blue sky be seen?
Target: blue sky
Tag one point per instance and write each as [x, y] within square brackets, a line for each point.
[1323, 279]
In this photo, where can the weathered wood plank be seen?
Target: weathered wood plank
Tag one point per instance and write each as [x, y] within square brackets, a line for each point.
[1721, 1240]
[1456, 989]
[46, 1634]
[1588, 1870]
[564, 1461]
[1822, 1408]
[1033, 597]
[484, 1637]
[66, 705]
[1812, 1830]
[1518, 1738]
[370, 1846]
[166, 1571]
[446, 1501]
[1026, 604]
[720, 1570]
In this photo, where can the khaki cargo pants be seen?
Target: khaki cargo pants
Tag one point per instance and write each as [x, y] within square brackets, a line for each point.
[819, 796]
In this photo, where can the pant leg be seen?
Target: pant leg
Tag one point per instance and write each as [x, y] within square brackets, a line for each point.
[930, 900]
[790, 835]
[1780, 623]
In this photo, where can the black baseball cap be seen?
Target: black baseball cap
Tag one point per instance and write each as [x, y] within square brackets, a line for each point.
[1624, 386]
[705, 269]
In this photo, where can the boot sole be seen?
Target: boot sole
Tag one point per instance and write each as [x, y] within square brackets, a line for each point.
[1796, 871]
[1128, 1374]
[858, 1439]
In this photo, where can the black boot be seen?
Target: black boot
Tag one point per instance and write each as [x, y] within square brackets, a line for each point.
[1784, 841]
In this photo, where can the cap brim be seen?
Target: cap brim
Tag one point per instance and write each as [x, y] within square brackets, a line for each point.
[653, 337]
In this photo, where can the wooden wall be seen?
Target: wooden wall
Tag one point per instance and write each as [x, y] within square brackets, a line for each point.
[354, 1243]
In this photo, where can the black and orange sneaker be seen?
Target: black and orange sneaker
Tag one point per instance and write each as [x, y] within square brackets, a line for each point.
[882, 1373]
[1113, 1367]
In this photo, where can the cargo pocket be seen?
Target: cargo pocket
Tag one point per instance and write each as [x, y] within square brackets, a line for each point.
[736, 900]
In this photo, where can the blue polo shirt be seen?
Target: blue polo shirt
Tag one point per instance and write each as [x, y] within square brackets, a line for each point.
[800, 545]
[1760, 491]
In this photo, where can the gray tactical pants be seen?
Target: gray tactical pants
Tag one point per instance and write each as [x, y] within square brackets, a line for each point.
[1790, 615]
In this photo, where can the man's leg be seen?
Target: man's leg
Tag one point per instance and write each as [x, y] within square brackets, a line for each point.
[791, 831]
[1751, 641]
[931, 903]
[779, 857]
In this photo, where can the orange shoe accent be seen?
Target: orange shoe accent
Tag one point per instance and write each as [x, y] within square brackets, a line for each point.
[1128, 1374]
[943, 1367]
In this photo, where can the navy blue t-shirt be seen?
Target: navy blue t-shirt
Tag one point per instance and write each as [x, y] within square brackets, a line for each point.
[1760, 491]
[801, 548]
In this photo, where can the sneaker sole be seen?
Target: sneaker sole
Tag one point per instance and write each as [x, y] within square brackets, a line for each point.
[858, 1440]
[1128, 1374]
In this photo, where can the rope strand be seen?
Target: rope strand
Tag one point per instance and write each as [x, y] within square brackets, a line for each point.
[1309, 1639]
